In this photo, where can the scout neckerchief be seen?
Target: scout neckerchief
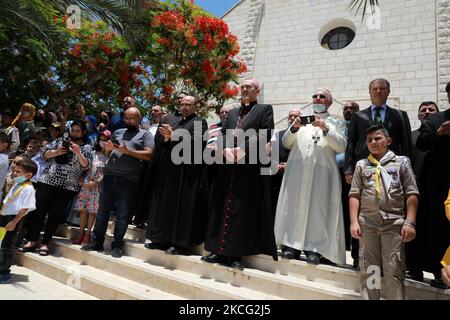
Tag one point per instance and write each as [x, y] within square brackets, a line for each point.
[380, 171]
[14, 195]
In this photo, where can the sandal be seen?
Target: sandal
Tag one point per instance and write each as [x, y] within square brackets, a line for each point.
[79, 240]
[86, 239]
[44, 252]
[27, 249]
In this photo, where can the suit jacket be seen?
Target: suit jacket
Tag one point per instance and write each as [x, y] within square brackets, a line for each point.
[397, 124]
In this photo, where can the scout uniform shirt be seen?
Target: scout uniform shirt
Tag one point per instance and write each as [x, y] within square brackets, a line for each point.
[396, 181]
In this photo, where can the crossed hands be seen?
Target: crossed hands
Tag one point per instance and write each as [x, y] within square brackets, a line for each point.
[233, 155]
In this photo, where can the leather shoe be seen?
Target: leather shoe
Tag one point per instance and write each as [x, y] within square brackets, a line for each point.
[92, 247]
[237, 265]
[117, 252]
[156, 245]
[172, 251]
[313, 258]
[212, 258]
[289, 253]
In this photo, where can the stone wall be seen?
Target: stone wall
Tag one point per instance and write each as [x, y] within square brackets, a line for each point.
[290, 62]
[443, 45]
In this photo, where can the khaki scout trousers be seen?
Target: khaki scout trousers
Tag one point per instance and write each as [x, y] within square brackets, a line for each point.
[382, 251]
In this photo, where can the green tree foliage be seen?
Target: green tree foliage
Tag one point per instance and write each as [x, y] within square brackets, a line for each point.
[191, 51]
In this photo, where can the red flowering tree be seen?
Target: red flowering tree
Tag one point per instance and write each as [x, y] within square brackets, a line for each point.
[99, 65]
[191, 51]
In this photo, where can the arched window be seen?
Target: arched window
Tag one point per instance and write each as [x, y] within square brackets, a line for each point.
[338, 38]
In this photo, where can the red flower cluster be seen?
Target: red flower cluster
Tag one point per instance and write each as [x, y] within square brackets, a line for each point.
[230, 92]
[168, 90]
[242, 67]
[164, 42]
[75, 51]
[106, 50]
[109, 36]
[209, 42]
[209, 70]
[211, 25]
[170, 20]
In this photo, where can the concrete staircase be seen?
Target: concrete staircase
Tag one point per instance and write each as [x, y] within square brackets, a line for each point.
[152, 274]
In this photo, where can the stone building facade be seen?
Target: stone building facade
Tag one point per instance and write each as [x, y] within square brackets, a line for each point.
[406, 42]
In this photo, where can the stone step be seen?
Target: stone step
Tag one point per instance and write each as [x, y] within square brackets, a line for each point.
[343, 276]
[343, 279]
[146, 272]
[283, 286]
[133, 233]
[93, 281]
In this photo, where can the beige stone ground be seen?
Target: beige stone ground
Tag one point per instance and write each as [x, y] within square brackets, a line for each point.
[29, 285]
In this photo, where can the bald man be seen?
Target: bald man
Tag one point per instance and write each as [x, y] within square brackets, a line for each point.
[127, 149]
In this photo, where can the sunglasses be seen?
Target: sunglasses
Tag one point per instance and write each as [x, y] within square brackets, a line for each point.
[127, 101]
[321, 96]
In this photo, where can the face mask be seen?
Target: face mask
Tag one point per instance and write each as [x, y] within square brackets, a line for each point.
[319, 108]
[20, 179]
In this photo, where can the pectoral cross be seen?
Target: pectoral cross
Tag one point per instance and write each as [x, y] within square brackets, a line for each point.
[316, 138]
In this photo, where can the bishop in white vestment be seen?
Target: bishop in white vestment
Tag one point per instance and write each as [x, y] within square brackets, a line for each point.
[309, 211]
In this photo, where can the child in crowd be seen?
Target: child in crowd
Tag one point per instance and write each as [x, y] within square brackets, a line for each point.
[381, 186]
[88, 198]
[4, 163]
[17, 203]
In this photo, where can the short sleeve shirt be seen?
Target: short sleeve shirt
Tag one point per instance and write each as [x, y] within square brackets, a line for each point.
[26, 199]
[391, 205]
[120, 164]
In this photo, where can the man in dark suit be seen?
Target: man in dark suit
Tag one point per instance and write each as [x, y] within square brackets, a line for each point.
[395, 121]
[240, 215]
[432, 222]
[426, 109]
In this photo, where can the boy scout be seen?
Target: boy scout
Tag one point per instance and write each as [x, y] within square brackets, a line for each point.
[380, 185]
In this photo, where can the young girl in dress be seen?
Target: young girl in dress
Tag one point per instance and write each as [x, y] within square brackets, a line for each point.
[87, 201]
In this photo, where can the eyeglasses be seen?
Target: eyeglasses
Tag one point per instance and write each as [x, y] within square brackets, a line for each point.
[321, 96]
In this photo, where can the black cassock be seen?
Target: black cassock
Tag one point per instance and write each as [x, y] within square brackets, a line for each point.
[178, 203]
[433, 228]
[240, 218]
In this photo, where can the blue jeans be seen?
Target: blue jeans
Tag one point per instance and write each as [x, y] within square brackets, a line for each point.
[119, 193]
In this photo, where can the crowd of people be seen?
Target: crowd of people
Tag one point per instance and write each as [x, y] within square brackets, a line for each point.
[364, 183]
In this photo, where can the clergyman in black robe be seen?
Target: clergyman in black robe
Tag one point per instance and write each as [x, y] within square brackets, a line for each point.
[178, 203]
[240, 216]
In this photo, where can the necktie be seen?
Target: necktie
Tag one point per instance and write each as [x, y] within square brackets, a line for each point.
[377, 119]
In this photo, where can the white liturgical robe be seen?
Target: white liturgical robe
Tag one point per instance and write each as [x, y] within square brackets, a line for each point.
[309, 210]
